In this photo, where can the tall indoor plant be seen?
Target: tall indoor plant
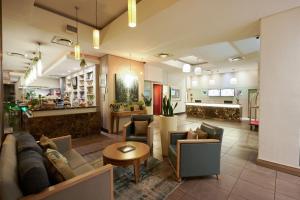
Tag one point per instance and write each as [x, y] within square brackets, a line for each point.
[168, 122]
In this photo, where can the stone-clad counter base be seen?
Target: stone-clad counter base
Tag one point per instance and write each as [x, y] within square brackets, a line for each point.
[207, 112]
[77, 125]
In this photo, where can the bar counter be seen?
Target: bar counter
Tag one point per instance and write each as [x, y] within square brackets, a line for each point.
[232, 112]
[75, 121]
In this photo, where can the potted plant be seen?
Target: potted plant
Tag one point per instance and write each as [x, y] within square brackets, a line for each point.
[114, 107]
[237, 96]
[141, 105]
[148, 104]
[168, 122]
[90, 101]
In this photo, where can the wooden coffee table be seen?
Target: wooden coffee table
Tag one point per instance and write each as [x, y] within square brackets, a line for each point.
[111, 155]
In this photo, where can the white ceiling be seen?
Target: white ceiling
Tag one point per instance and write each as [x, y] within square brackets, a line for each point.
[212, 30]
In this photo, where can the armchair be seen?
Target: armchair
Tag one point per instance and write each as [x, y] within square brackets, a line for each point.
[192, 157]
[128, 130]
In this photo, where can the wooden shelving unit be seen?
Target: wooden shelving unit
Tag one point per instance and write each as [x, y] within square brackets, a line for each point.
[80, 87]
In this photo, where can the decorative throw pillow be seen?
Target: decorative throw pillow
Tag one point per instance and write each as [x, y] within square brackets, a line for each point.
[202, 134]
[46, 143]
[25, 141]
[192, 135]
[33, 176]
[140, 127]
[58, 167]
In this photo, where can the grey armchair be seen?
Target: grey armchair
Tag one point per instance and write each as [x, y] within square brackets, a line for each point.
[128, 130]
[191, 157]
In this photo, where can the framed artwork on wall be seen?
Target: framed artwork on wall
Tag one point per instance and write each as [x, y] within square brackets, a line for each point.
[126, 88]
[175, 94]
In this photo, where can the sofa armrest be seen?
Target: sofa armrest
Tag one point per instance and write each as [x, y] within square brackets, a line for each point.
[96, 185]
[63, 143]
[177, 135]
[126, 130]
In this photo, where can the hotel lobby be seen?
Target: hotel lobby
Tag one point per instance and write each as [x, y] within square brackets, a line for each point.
[149, 99]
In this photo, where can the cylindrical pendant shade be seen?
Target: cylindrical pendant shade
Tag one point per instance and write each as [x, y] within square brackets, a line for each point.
[77, 52]
[132, 13]
[96, 39]
[186, 68]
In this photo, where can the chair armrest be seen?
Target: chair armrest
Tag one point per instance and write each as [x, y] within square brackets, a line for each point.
[177, 135]
[96, 184]
[63, 143]
[198, 141]
[126, 130]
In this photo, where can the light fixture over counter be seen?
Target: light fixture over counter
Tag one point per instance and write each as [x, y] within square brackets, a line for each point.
[96, 32]
[132, 13]
[77, 46]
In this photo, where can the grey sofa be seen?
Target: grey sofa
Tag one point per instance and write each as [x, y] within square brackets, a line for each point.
[89, 183]
[192, 157]
[128, 130]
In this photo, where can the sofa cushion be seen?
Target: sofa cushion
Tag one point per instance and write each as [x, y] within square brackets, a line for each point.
[192, 135]
[25, 141]
[32, 172]
[213, 131]
[140, 127]
[9, 186]
[46, 143]
[77, 163]
[58, 167]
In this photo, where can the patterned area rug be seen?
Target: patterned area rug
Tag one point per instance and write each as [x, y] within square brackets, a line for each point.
[157, 179]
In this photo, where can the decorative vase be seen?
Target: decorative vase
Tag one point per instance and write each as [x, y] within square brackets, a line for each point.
[149, 110]
[166, 124]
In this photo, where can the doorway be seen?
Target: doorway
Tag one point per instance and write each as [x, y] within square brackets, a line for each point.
[157, 99]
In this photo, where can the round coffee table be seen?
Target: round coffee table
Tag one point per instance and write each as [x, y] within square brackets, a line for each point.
[112, 155]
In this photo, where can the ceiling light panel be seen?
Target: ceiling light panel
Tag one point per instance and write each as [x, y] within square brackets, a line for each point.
[174, 63]
[192, 60]
[215, 52]
[249, 45]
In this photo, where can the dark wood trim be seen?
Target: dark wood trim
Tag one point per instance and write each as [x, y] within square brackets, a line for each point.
[278, 167]
[80, 21]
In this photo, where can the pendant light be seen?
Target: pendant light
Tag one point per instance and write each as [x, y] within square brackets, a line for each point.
[132, 13]
[96, 32]
[77, 47]
[186, 68]
[39, 64]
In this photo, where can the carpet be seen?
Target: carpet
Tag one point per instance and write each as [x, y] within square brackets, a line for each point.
[157, 179]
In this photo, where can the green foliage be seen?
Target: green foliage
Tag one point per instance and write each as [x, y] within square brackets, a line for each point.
[140, 103]
[82, 63]
[147, 100]
[115, 107]
[168, 109]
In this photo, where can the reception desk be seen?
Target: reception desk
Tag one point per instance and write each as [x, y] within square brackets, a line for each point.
[78, 122]
[232, 112]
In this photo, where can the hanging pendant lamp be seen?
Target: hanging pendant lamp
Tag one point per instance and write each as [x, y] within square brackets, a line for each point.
[96, 32]
[77, 46]
[132, 13]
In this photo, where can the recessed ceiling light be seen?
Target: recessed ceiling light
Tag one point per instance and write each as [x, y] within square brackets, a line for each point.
[235, 59]
[163, 55]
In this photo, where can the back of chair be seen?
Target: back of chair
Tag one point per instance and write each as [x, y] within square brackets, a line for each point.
[148, 118]
[213, 131]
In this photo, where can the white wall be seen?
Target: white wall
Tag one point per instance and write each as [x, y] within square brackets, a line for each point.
[280, 88]
[247, 79]
[172, 79]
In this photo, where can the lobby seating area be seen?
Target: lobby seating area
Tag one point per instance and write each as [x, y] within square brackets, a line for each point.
[149, 100]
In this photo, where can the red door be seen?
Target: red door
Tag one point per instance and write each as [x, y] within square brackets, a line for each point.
[157, 99]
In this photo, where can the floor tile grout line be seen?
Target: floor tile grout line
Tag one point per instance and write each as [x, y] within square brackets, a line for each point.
[275, 185]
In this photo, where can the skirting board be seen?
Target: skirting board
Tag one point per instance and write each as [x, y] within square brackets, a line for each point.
[278, 167]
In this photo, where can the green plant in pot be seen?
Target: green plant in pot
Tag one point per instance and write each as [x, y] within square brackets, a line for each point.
[168, 122]
[148, 104]
[141, 105]
[90, 99]
[115, 107]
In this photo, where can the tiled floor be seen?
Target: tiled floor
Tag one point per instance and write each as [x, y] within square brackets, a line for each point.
[241, 178]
